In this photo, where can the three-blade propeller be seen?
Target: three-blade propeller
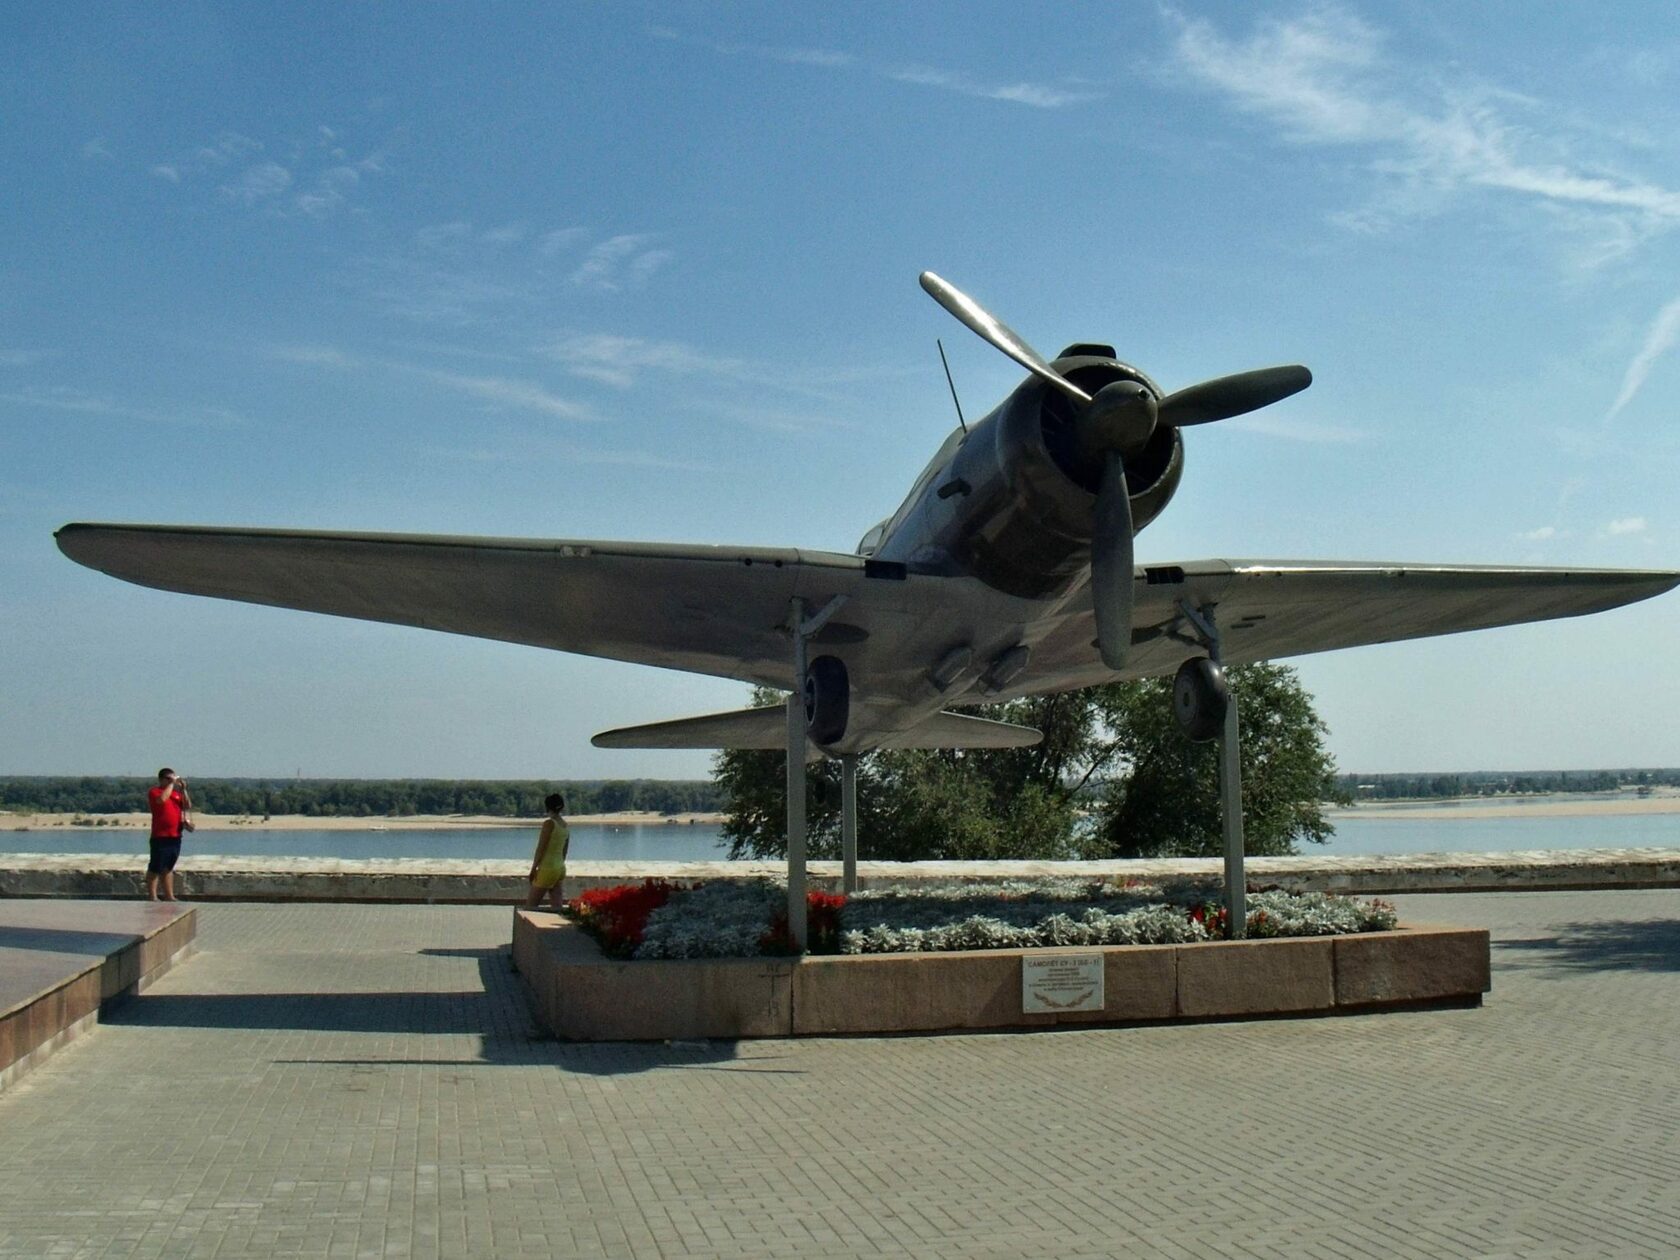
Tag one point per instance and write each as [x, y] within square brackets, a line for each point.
[1119, 421]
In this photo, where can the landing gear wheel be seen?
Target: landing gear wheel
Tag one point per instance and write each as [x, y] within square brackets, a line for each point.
[828, 698]
[1200, 698]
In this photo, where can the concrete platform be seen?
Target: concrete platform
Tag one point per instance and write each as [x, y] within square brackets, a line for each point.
[579, 994]
[62, 962]
[466, 881]
[365, 1081]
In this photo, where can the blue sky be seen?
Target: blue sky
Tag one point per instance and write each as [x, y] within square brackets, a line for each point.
[649, 272]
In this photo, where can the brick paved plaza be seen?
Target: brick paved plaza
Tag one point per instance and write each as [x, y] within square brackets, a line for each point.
[326, 1080]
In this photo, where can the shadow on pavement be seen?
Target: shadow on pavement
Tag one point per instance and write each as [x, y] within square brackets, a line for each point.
[1603, 945]
[497, 1013]
[63, 940]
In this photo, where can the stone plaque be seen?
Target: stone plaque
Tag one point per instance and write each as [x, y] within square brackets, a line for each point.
[1061, 982]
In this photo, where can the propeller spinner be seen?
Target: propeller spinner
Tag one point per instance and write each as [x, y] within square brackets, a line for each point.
[1119, 421]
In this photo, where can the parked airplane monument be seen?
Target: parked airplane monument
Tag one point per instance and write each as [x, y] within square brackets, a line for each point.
[1007, 571]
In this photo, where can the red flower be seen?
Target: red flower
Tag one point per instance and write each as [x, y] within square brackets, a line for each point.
[618, 916]
[822, 926]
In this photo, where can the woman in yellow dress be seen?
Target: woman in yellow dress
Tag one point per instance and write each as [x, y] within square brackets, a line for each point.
[548, 866]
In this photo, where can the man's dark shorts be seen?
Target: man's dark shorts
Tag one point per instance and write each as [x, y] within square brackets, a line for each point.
[165, 853]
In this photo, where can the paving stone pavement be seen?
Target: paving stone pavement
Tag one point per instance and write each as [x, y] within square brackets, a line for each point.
[350, 1081]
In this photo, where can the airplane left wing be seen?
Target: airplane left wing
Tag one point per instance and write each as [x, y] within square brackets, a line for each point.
[1269, 609]
[709, 610]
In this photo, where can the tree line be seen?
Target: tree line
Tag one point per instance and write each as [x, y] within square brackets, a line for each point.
[328, 798]
[1113, 777]
[1499, 783]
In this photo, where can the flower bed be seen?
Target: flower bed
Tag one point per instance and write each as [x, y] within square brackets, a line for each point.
[736, 919]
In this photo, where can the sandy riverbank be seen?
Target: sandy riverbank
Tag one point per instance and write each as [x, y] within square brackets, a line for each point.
[1662, 801]
[302, 822]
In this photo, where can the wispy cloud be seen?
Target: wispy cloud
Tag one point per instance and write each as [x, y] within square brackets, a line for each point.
[1544, 534]
[615, 360]
[461, 273]
[20, 358]
[333, 188]
[619, 361]
[1660, 338]
[258, 183]
[433, 289]
[790, 56]
[81, 402]
[509, 392]
[313, 178]
[461, 237]
[229, 146]
[97, 148]
[1325, 79]
[1625, 527]
[459, 352]
[624, 261]
[1036, 95]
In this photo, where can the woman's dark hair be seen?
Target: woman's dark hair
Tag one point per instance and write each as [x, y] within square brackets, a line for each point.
[554, 801]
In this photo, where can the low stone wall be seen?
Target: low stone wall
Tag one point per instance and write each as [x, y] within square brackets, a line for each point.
[580, 995]
[62, 969]
[464, 880]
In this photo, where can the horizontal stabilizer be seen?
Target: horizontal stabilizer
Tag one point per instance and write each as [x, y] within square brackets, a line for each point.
[742, 728]
[958, 730]
[766, 728]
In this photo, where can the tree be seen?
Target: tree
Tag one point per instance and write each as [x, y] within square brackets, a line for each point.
[912, 804]
[1166, 802]
[1156, 791]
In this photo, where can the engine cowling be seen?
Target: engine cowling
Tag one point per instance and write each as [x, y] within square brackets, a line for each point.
[1016, 505]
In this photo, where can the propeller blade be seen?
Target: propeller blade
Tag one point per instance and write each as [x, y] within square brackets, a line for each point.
[1227, 396]
[981, 321]
[1111, 564]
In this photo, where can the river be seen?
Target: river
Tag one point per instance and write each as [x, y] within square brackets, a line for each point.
[1358, 831]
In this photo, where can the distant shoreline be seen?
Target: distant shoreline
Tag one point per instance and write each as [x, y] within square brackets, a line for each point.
[1663, 800]
[304, 822]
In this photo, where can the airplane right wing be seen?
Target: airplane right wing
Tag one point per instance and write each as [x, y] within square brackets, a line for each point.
[710, 610]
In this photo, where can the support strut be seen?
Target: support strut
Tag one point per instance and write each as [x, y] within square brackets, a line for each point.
[802, 628]
[796, 785]
[848, 822]
[1206, 631]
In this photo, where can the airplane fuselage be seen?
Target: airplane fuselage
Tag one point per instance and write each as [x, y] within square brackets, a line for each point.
[1006, 510]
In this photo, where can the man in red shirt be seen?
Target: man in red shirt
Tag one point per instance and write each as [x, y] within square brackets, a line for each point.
[170, 805]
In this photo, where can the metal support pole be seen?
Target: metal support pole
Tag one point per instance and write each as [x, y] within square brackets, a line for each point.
[1230, 806]
[1230, 779]
[848, 822]
[796, 784]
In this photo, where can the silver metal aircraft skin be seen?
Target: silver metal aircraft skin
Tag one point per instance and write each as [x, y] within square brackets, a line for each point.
[1006, 572]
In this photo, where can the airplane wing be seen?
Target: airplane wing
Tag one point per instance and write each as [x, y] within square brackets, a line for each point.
[1280, 608]
[724, 611]
[708, 610]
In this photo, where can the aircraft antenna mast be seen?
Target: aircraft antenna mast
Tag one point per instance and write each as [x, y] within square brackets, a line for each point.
[951, 383]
